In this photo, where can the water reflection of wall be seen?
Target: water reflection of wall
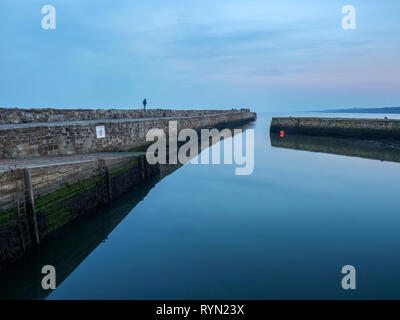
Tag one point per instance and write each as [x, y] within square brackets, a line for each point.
[370, 149]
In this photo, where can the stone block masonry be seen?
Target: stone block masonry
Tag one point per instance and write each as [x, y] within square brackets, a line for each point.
[29, 140]
[339, 127]
[62, 193]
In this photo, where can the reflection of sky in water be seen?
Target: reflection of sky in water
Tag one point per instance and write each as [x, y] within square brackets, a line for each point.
[272, 55]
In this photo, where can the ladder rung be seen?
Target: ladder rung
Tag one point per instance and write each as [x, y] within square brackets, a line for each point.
[21, 217]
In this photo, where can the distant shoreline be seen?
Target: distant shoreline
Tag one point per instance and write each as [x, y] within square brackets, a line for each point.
[392, 110]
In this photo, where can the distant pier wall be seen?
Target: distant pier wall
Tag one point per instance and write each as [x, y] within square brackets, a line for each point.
[338, 127]
[39, 139]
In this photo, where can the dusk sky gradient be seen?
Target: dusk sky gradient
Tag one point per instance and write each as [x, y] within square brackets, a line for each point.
[268, 55]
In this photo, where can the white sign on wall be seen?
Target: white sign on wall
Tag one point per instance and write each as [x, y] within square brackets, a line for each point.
[100, 132]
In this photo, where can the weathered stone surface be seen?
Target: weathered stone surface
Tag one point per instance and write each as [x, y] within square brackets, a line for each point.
[338, 127]
[16, 115]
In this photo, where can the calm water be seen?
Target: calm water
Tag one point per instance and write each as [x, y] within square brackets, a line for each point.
[203, 233]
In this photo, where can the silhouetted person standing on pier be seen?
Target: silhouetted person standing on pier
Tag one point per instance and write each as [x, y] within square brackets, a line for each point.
[144, 104]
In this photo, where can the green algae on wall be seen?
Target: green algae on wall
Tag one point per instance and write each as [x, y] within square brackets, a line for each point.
[56, 209]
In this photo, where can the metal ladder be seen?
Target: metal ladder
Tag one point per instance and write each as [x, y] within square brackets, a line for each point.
[104, 171]
[21, 218]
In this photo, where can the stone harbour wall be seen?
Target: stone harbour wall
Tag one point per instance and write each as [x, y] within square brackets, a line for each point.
[68, 138]
[17, 115]
[369, 149]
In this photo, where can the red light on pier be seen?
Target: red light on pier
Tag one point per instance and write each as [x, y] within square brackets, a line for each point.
[282, 133]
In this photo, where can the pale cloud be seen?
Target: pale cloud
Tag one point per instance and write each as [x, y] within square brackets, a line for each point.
[118, 51]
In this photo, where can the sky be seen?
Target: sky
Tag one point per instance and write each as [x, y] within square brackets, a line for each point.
[286, 55]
